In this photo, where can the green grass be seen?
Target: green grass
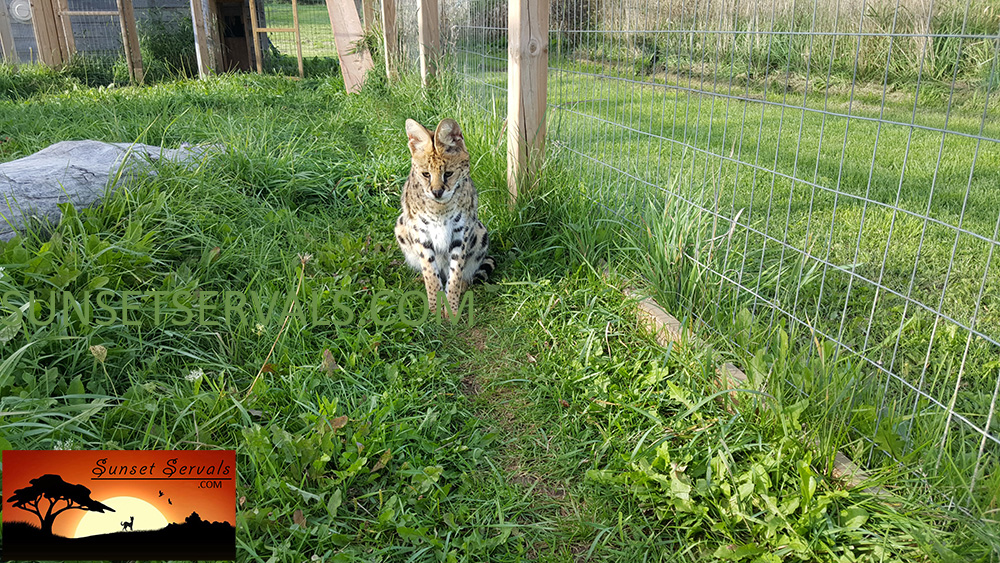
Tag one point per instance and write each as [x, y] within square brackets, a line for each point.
[314, 29]
[808, 245]
[551, 429]
[904, 42]
[319, 52]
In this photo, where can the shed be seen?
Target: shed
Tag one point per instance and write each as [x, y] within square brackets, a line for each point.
[226, 26]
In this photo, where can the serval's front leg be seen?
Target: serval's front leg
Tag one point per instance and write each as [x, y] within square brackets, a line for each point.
[456, 270]
[428, 269]
[419, 252]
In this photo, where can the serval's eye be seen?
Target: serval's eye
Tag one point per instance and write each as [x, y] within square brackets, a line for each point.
[427, 175]
[447, 175]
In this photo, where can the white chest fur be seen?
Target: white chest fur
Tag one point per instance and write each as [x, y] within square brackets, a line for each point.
[441, 231]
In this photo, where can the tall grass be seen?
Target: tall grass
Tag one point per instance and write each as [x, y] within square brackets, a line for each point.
[855, 40]
[858, 40]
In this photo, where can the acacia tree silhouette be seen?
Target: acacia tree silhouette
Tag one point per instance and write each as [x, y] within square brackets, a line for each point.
[55, 490]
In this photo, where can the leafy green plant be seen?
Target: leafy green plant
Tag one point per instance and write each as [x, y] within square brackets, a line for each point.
[167, 47]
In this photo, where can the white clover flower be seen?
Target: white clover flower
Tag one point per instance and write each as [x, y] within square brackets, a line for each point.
[195, 375]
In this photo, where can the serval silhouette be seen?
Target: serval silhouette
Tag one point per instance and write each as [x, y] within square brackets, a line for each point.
[128, 525]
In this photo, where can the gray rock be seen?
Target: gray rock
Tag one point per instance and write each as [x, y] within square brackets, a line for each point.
[81, 172]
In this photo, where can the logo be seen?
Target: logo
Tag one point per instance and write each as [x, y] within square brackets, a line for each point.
[230, 309]
[119, 504]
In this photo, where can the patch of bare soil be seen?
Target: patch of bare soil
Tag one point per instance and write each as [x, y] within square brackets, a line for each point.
[538, 485]
[470, 386]
[476, 337]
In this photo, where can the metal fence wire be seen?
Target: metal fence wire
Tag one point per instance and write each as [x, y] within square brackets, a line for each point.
[96, 36]
[850, 149]
[406, 23]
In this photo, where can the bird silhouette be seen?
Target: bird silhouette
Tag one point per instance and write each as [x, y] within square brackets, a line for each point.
[161, 493]
[168, 501]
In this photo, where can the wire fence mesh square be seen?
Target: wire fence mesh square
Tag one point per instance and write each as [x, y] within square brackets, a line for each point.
[850, 151]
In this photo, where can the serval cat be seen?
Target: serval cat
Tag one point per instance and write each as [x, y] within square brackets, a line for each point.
[439, 230]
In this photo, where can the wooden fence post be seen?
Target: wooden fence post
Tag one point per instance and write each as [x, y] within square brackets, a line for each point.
[254, 26]
[7, 37]
[430, 38]
[130, 40]
[390, 37]
[66, 27]
[347, 31]
[369, 14]
[201, 40]
[527, 87]
[48, 33]
[298, 38]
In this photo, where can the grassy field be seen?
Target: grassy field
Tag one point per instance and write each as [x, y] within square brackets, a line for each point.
[314, 29]
[546, 429]
[842, 216]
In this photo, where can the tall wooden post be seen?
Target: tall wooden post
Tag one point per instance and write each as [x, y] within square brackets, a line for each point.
[130, 40]
[390, 37]
[430, 38]
[298, 38]
[201, 39]
[347, 32]
[65, 27]
[48, 33]
[254, 26]
[369, 14]
[7, 37]
[527, 87]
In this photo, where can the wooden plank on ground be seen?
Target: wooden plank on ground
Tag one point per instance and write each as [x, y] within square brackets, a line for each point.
[669, 331]
[130, 40]
[390, 37]
[527, 88]
[7, 36]
[661, 324]
[346, 32]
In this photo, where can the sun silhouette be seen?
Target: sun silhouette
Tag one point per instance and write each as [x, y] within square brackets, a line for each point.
[147, 517]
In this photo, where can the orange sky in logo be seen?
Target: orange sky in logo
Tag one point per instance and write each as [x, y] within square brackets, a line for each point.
[187, 478]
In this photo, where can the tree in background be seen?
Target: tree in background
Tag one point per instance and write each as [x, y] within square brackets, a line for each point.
[53, 489]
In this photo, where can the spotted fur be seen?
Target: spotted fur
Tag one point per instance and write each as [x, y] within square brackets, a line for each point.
[439, 229]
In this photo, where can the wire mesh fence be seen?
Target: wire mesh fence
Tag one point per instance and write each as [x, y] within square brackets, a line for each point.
[406, 23]
[86, 36]
[279, 49]
[846, 156]
[479, 32]
[96, 36]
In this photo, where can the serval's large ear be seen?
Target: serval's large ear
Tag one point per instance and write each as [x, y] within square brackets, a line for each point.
[418, 135]
[448, 137]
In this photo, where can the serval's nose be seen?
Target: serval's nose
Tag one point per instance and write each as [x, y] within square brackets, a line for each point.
[438, 193]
